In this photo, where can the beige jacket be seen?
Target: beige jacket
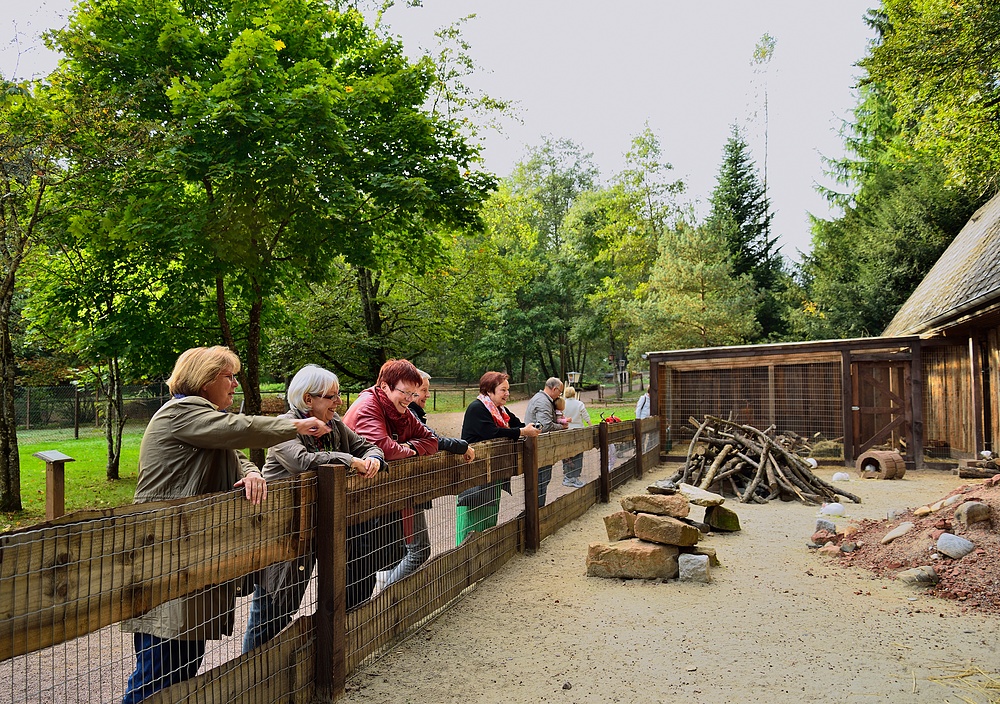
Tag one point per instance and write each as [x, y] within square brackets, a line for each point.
[190, 448]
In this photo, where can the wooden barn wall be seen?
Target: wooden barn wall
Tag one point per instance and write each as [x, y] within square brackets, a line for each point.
[992, 375]
[948, 422]
[804, 398]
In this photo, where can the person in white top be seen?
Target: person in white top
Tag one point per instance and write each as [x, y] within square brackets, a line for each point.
[578, 417]
[642, 407]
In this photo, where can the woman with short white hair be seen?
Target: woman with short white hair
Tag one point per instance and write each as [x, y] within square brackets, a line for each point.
[313, 392]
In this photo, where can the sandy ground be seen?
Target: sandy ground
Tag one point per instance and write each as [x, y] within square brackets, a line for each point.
[778, 623]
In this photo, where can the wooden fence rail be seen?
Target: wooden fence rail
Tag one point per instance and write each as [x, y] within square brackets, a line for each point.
[88, 570]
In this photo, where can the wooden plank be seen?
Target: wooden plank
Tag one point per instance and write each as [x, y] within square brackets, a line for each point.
[848, 391]
[331, 596]
[552, 447]
[881, 356]
[532, 537]
[976, 392]
[917, 404]
[807, 350]
[880, 435]
[380, 622]
[604, 445]
[72, 578]
[637, 439]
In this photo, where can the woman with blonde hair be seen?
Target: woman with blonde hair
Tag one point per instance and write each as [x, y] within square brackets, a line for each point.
[190, 447]
[578, 417]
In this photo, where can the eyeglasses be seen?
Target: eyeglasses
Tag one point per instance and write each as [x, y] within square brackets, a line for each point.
[231, 377]
[407, 394]
[334, 397]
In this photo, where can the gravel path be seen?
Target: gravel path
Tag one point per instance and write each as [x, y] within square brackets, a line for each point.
[779, 624]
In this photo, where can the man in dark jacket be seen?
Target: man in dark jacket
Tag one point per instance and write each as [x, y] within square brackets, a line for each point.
[418, 541]
[542, 412]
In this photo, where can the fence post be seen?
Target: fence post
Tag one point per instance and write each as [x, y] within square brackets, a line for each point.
[331, 597]
[463, 397]
[602, 438]
[55, 482]
[27, 409]
[637, 432]
[532, 526]
[76, 413]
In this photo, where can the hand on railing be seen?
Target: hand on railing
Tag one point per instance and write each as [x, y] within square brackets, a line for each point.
[366, 467]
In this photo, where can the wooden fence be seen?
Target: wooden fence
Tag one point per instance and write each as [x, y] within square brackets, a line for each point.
[89, 570]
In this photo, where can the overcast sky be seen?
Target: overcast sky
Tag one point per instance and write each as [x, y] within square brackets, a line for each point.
[597, 72]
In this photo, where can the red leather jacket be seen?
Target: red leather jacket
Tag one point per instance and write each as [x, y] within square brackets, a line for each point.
[374, 417]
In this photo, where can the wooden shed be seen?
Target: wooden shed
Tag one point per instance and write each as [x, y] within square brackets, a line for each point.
[929, 386]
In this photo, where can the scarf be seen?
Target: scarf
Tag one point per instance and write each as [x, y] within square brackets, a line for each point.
[313, 444]
[500, 416]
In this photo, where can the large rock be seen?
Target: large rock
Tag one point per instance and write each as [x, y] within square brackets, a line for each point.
[632, 559]
[659, 504]
[620, 525]
[721, 518]
[700, 497]
[827, 525]
[693, 568]
[972, 512]
[662, 486]
[665, 530]
[918, 576]
[954, 546]
[897, 532]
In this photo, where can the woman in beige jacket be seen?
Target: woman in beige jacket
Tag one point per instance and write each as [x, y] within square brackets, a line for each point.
[190, 447]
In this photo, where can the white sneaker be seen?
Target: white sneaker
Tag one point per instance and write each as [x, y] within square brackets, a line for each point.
[579, 483]
[381, 578]
[570, 482]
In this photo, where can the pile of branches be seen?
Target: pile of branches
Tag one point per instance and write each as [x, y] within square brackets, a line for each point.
[753, 463]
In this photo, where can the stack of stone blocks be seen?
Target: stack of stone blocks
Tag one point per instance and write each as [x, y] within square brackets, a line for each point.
[652, 537]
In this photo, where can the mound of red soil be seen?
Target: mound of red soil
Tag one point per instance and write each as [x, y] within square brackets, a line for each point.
[973, 579]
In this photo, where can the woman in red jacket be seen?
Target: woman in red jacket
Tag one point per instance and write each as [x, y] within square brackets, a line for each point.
[381, 414]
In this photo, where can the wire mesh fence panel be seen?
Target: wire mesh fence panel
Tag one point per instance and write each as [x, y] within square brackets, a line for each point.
[94, 598]
[804, 399]
[448, 525]
[169, 574]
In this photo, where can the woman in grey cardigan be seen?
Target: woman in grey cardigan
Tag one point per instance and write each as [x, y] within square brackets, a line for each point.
[314, 392]
[190, 447]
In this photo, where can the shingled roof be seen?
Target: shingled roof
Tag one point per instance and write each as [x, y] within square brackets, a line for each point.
[967, 276]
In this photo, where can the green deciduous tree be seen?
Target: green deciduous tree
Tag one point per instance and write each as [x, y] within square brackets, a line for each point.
[940, 63]
[295, 133]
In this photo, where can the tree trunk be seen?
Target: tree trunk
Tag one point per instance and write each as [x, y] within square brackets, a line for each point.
[368, 288]
[114, 421]
[10, 464]
[249, 375]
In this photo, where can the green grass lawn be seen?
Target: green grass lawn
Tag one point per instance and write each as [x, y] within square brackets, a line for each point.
[87, 485]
